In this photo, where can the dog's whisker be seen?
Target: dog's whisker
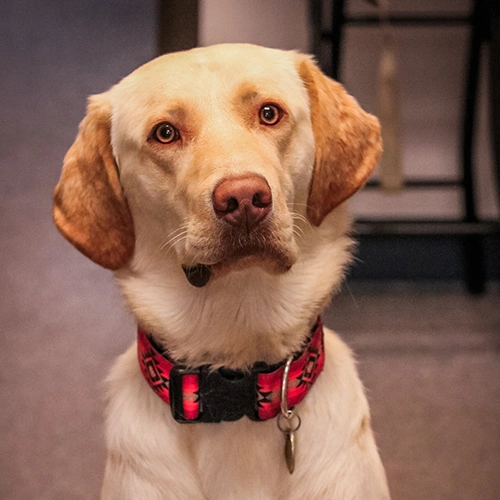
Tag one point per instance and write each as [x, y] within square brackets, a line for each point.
[170, 244]
[167, 242]
[301, 218]
[298, 231]
[301, 204]
[176, 240]
[174, 234]
[179, 229]
[173, 241]
[352, 296]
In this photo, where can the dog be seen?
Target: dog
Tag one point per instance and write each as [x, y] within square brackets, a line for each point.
[212, 183]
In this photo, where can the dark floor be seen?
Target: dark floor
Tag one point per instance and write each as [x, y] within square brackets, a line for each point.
[428, 353]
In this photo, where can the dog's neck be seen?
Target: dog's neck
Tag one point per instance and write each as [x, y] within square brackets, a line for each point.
[241, 318]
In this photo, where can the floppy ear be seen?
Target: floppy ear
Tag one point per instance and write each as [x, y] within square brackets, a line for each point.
[90, 209]
[347, 140]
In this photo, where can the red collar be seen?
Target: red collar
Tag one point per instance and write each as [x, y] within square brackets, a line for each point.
[206, 395]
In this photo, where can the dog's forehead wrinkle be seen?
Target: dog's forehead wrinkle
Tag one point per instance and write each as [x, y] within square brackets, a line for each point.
[178, 112]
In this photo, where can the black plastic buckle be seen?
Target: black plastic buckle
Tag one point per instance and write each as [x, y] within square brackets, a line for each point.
[225, 395]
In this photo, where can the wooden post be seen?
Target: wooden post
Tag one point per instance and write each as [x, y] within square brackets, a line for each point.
[177, 25]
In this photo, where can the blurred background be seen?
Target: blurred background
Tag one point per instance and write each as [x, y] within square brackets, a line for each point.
[421, 306]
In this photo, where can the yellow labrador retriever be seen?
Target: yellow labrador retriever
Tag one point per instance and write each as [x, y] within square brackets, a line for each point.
[211, 182]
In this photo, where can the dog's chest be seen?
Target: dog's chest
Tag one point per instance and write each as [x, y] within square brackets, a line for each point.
[240, 460]
[228, 460]
[336, 454]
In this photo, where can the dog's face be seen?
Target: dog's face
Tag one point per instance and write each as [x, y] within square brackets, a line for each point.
[213, 153]
[213, 161]
[216, 155]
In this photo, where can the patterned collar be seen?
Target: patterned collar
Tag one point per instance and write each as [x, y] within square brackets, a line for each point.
[203, 394]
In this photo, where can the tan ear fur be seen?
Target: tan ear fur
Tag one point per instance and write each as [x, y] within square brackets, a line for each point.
[348, 142]
[90, 209]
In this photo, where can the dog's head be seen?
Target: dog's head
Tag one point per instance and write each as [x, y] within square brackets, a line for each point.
[213, 157]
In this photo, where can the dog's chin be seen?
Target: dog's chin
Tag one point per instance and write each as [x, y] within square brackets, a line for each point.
[270, 263]
[273, 262]
[235, 250]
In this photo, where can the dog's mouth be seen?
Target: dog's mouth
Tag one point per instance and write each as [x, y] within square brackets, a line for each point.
[232, 249]
[273, 261]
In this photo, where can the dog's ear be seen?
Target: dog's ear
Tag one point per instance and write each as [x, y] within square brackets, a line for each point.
[347, 139]
[90, 209]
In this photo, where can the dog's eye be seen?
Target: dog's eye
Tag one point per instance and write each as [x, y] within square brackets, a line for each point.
[165, 133]
[270, 114]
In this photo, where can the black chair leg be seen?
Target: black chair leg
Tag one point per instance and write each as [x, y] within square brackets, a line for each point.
[475, 270]
[494, 66]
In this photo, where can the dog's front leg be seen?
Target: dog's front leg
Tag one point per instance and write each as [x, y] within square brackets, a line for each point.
[147, 457]
[129, 480]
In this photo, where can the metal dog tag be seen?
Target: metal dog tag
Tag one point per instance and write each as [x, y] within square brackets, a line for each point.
[288, 421]
[290, 450]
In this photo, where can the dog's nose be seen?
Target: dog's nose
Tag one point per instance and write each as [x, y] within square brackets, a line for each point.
[242, 201]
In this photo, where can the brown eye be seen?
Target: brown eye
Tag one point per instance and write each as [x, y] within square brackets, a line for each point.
[270, 114]
[165, 133]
